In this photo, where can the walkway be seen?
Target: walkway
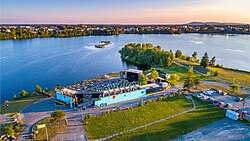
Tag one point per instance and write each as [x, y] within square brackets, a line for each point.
[151, 123]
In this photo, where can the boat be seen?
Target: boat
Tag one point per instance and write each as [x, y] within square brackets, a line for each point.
[103, 44]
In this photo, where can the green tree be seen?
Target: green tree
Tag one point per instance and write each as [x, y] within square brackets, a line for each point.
[194, 56]
[204, 60]
[9, 131]
[212, 61]
[234, 87]
[143, 80]
[58, 114]
[174, 78]
[14, 97]
[216, 73]
[23, 93]
[188, 83]
[197, 82]
[190, 70]
[58, 86]
[46, 89]
[6, 102]
[154, 74]
[178, 54]
[39, 89]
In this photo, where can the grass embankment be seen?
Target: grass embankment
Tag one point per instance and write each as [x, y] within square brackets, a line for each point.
[116, 122]
[123, 120]
[232, 76]
[53, 127]
[17, 105]
[174, 127]
[226, 74]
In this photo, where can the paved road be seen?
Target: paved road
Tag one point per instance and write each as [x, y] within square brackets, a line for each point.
[222, 130]
[36, 112]
[151, 123]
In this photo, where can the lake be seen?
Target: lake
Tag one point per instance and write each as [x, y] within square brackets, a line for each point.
[47, 61]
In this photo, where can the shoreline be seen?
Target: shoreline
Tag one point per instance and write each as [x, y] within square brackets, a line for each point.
[208, 33]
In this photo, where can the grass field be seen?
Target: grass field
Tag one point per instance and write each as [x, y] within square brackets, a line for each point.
[172, 128]
[183, 73]
[17, 105]
[232, 76]
[228, 75]
[123, 120]
[53, 127]
[119, 121]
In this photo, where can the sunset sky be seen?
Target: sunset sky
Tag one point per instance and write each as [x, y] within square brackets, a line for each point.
[124, 11]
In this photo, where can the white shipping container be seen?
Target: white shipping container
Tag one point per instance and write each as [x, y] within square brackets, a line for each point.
[232, 115]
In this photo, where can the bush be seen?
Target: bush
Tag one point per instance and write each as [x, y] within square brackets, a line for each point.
[140, 103]
[6, 102]
[118, 109]
[57, 114]
[88, 116]
[216, 73]
[33, 94]
[23, 93]
[14, 97]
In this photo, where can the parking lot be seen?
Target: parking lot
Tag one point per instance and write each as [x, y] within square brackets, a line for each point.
[222, 130]
[232, 100]
[229, 99]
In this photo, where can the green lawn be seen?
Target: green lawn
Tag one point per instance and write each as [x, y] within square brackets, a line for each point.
[116, 122]
[183, 73]
[172, 128]
[17, 105]
[226, 74]
[53, 127]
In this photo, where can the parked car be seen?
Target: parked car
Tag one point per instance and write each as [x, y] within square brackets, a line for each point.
[215, 102]
[218, 91]
[238, 99]
[234, 109]
[207, 92]
[223, 93]
[210, 100]
[202, 96]
[227, 106]
[220, 104]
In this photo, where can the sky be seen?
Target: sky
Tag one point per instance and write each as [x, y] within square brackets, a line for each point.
[124, 11]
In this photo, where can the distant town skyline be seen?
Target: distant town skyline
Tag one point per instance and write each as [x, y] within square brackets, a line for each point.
[123, 12]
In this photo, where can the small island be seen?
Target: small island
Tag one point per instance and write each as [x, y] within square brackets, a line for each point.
[103, 44]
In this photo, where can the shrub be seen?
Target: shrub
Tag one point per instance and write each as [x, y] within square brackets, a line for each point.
[88, 116]
[33, 94]
[23, 93]
[216, 73]
[14, 97]
[57, 114]
[140, 103]
[118, 109]
[6, 102]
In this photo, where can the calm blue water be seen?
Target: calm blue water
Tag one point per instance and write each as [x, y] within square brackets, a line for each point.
[26, 63]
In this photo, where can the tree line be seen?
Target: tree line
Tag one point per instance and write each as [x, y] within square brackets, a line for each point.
[146, 55]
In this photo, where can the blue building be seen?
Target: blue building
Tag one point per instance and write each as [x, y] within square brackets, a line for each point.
[107, 100]
[64, 98]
